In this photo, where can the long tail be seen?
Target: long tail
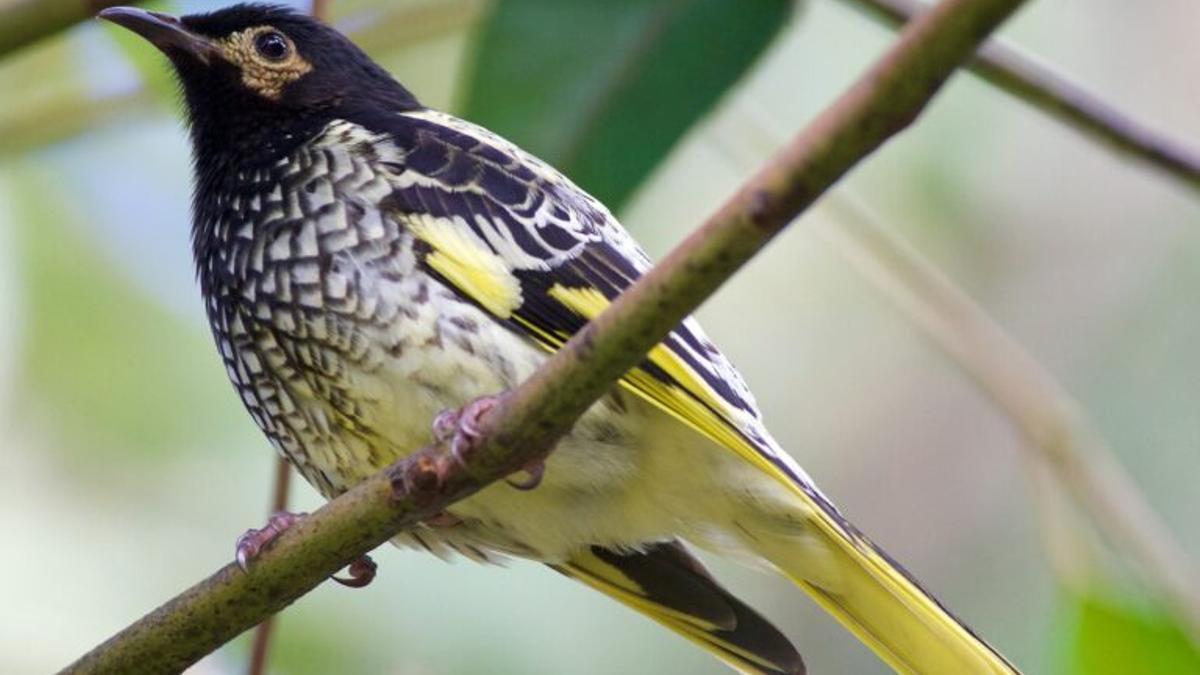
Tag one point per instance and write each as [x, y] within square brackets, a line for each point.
[872, 595]
[667, 584]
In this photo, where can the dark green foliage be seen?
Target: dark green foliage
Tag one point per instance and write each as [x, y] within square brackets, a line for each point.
[603, 89]
[1104, 636]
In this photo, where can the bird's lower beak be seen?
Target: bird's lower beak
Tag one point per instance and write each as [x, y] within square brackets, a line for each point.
[163, 31]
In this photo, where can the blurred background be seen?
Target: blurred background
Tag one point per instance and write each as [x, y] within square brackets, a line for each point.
[128, 467]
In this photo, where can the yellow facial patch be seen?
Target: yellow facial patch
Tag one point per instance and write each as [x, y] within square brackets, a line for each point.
[263, 75]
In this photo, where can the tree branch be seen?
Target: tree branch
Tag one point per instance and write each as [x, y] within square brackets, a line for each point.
[885, 100]
[1055, 95]
[23, 22]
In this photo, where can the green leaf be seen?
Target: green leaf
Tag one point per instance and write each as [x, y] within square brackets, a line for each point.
[603, 89]
[107, 366]
[1103, 635]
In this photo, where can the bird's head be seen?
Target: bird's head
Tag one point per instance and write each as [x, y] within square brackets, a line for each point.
[254, 70]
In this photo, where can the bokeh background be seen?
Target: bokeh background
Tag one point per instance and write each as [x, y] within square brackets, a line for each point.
[128, 467]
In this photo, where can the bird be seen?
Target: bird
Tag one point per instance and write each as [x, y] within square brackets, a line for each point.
[375, 272]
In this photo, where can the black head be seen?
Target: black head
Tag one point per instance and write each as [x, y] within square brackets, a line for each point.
[259, 78]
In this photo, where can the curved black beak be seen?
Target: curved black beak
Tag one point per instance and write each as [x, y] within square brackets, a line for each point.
[163, 31]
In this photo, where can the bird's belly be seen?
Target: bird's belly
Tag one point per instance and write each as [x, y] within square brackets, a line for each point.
[602, 485]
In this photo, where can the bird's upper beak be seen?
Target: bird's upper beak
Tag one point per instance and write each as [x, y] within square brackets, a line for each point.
[163, 31]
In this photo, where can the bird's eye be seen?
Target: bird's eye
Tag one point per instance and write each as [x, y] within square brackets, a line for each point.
[272, 45]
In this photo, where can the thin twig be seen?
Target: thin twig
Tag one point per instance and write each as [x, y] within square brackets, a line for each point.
[320, 10]
[528, 420]
[1067, 536]
[1057, 96]
[1057, 431]
[260, 648]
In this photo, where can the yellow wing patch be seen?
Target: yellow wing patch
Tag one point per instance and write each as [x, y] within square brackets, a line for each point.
[468, 264]
[691, 401]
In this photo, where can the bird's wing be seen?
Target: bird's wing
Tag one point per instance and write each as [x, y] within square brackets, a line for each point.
[667, 584]
[521, 241]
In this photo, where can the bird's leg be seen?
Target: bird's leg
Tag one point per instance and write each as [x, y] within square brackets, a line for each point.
[251, 544]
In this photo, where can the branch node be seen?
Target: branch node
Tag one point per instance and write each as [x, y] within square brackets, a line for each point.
[762, 208]
[420, 479]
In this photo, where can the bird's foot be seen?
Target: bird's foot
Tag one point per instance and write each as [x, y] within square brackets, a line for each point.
[462, 427]
[534, 471]
[251, 544]
[362, 572]
[445, 425]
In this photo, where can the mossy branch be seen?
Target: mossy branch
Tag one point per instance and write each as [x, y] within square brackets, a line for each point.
[885, 100]
[1057, 96]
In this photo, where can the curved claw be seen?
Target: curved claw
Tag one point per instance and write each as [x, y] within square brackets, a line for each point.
[462, 426]
[246, 550]
[253, 542]
[536, 471]
[362, 572]
[445, 425]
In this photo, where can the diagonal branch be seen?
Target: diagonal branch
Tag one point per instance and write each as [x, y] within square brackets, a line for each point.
[884, 101]
[23, 22]
[1055, 95]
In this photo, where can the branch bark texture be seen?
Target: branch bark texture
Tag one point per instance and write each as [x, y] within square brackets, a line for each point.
[23, 22]
[885, 100]
[1057, 96]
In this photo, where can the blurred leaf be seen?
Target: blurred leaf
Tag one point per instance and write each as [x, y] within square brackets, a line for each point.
[34, 83]
[113, 369]
[603, 89]
[1102, 635]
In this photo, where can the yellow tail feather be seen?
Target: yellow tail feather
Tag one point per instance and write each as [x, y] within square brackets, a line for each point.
[874, 598]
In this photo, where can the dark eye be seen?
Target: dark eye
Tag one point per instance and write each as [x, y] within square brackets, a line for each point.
[272, 45]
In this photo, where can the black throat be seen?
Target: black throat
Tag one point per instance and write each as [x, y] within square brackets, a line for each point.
[237, 134]
[227, 148]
